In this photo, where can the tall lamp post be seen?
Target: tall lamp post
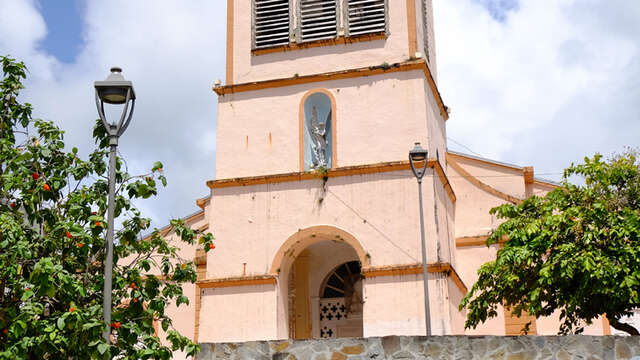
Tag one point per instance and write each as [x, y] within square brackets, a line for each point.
[114, 90]
[416, 155]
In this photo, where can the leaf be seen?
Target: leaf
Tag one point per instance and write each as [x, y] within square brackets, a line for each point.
[102, 348]
[60, 323]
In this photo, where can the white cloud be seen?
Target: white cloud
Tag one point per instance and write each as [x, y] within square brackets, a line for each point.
[557, 80]
[172, 51]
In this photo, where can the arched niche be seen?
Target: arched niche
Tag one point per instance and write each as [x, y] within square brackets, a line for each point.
[317, 130]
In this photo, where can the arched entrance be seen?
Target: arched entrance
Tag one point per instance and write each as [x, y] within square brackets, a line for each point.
[320, 284]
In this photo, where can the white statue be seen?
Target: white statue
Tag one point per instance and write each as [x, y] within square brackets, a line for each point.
[317, 131]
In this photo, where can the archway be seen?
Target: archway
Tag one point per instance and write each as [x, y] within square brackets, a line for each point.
[308, 266]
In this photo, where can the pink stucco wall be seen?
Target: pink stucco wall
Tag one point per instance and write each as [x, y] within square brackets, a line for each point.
[380, 210]
[378, 118]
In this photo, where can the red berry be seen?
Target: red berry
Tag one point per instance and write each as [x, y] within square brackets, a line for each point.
[211, 246]
[135, 300]
[80, 245]
[133, 285]
[98, 223]
[13, 204]
[46, 187]
[4, 331]
[116, 325]
[69, 235]
[35, 176]
[93, 213]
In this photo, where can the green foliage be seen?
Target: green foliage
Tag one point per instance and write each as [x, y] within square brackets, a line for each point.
[575, 250]
[52, 247]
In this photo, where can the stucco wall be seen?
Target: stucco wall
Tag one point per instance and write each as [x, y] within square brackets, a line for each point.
[395, 305]
[238, 313]
[378, 118]
[435, 347]
[251, 223]
[248, 67]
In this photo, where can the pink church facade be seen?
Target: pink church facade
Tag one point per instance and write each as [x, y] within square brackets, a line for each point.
[314, 207]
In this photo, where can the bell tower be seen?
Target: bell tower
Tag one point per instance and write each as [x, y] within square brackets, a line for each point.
[314, 205]
[354, 80]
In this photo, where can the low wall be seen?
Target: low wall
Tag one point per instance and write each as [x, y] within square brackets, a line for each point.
[435, 347]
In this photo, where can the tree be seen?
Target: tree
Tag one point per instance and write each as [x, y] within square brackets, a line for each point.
[52, 246]
[576, 250]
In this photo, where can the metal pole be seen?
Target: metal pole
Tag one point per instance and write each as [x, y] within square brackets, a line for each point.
[108, 267]
[427, 317]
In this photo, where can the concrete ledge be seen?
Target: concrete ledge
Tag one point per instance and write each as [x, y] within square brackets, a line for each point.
[435, 347]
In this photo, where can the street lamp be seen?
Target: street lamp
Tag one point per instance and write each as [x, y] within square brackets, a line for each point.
[114, 90]
[416, 155]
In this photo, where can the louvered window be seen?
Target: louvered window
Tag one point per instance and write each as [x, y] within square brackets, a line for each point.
[366, 16]
[317, 19]
[271, 20]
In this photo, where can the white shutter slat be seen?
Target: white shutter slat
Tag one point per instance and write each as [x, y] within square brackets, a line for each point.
[271, 23]
[366, 16]
[318, 19]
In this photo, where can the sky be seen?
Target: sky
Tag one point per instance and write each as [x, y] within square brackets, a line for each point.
[529, 82]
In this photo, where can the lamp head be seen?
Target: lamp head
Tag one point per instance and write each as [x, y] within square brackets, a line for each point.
[113, 90]
[417, 154]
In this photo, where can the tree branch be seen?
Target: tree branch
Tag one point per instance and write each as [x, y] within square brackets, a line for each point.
[624, 327]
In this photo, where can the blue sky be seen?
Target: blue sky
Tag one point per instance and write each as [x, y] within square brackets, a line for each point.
[64, 24]
[529, 82]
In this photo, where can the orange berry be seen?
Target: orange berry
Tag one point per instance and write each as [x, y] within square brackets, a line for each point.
[72, 309]
[135, 300]
[211, 246]
[133, 285]
[46, 187]
[80, 245]
[98, 223]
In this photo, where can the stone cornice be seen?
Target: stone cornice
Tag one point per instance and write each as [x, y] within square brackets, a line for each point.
[419, 64]
[337, 172]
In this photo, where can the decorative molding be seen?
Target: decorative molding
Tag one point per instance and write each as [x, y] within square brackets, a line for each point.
[487, 188]
[203, 202]
[527, 172]
[478, 240]
[489, 162]
[236, 281]
[337, 172]
[419, 64]
[416, 269]
[341, 40]
[412, 30]
[230, 23]
[471, 241]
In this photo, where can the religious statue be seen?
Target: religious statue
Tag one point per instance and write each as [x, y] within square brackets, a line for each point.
[318, 132]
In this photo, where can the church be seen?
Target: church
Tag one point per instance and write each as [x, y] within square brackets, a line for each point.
[314, 207]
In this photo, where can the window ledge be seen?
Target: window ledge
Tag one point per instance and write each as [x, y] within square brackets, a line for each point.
[341, 40]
